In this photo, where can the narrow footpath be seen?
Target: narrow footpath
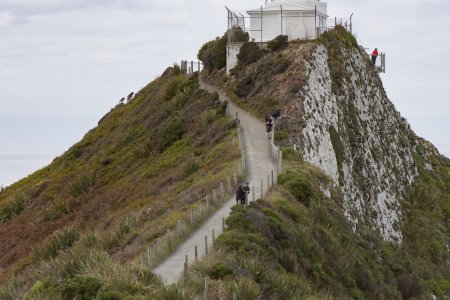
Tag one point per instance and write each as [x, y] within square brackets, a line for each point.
[259, 164]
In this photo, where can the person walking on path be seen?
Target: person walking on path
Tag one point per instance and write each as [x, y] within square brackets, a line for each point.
[268, 125]
[374, 56]
[241, 193]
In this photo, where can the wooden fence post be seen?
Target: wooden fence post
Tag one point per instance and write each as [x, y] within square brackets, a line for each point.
[253, 193]
[206, 288]
[222, 192]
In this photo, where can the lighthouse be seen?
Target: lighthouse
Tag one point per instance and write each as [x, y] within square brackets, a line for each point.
[297, 19]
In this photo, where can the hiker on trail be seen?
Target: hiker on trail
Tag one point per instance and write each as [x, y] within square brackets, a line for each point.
[246, 189]
[276, 114]
[241, 193]
[374, 56]
[268, 125]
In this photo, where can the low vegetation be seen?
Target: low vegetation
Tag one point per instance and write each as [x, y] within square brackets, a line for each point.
[297, 243]
[93, 212]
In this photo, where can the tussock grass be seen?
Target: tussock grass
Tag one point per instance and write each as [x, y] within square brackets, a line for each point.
[83, 184]
[296, 249]
[58, 210]
[61, 240]
[14, 206]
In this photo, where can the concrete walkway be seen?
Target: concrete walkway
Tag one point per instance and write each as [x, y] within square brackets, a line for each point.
[259, 164]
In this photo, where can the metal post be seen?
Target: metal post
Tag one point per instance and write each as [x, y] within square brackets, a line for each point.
[192, 67]
[213, 237]
[315, 21]
[268, 183]
[272, 176]
[235, 178]
[185, 266]
[206, 245]
[223, 224]
[237, 116]
[192, 215]
[261, 24]
[214, 196]
[200, 208]
[196, 253]
[281, 19]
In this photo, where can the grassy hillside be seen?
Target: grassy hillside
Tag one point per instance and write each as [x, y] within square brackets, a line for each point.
[297, 244]
[96, 208]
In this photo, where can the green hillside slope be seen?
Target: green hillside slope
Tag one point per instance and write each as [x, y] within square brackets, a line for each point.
[297, 244]
[94, 210]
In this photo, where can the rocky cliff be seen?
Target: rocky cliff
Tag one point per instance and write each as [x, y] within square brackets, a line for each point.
[337, 114]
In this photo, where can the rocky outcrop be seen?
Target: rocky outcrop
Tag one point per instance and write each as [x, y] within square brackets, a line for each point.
[356, 136]
[337, 114]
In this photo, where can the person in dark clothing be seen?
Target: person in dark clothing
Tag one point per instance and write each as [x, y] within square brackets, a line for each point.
[374, 56]
[276, 114]
[241, 193]
[246, 189]
[268, 125]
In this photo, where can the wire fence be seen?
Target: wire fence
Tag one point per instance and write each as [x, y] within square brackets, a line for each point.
[202, 210]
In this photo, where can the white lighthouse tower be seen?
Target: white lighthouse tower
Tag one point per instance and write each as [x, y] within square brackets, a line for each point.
[298, 19]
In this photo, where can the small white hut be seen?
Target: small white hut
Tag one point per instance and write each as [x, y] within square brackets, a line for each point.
[298, 19]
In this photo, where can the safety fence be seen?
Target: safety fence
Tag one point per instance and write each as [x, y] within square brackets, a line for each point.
[201, 211]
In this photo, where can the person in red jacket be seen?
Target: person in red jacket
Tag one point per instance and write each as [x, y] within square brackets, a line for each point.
[374, 56]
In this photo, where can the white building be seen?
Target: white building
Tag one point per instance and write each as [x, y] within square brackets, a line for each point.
[298, 19]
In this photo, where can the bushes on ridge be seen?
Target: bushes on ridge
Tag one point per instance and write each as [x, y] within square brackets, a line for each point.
[250, 52]
[278, 43]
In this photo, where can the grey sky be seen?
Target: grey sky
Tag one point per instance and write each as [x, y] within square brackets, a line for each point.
[65, 63]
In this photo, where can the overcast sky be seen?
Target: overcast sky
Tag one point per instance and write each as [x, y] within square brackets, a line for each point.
[65, 63]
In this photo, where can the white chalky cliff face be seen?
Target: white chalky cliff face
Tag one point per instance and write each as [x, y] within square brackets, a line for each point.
[356, 136]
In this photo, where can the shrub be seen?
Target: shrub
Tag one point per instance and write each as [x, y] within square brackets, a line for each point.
[206, 117]
[172, 292]
[278, 43]
[14, 206]
[172, 133]
[176, 70]
[81, 288]
[213, 53]
[190, 168]
[128, 223]
[250, 52]
[237, 35]
[219, 271]
[55, 212]
[247, 289]
[299, 186]
[109, 295]
[83, 184]
[60, 240]
[281, 136]
[409, 286]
